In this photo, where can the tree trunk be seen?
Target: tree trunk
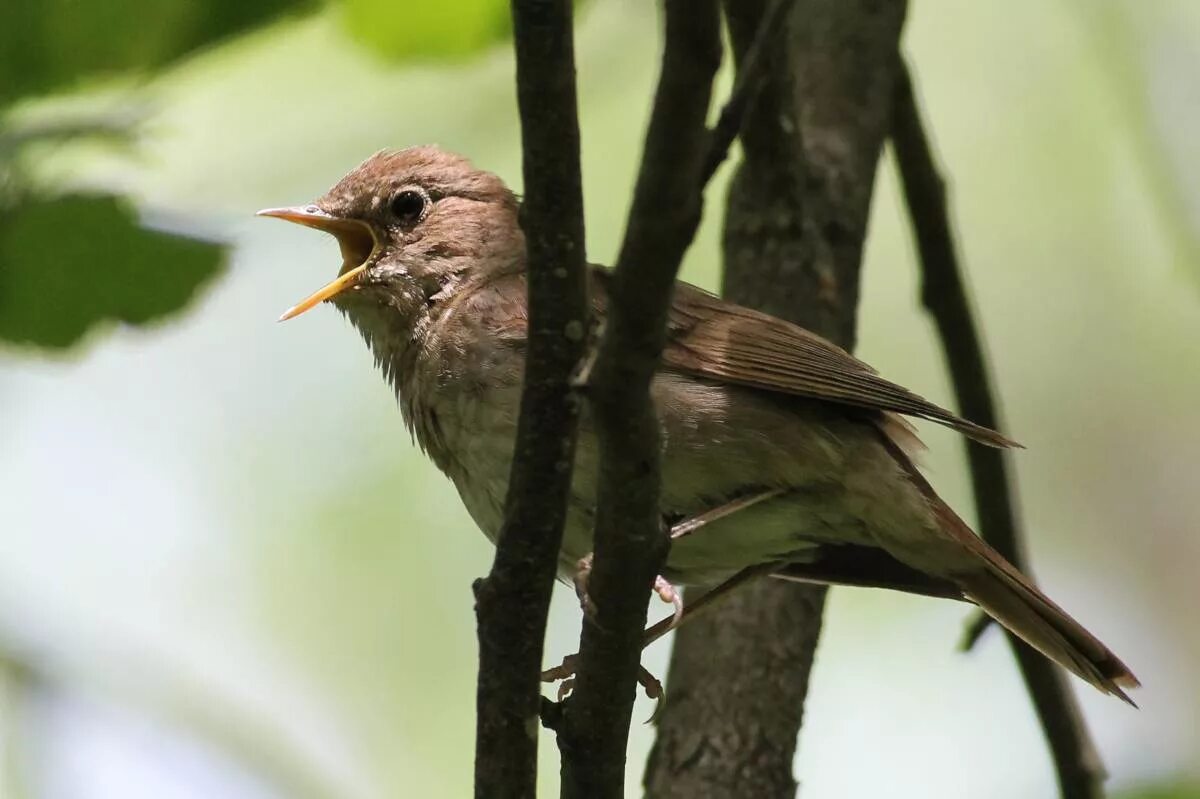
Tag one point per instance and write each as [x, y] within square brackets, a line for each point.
[795, 223]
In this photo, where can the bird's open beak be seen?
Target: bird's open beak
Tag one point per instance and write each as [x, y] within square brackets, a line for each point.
[355, 239]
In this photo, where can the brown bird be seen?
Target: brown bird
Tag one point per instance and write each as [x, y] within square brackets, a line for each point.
[782, 452]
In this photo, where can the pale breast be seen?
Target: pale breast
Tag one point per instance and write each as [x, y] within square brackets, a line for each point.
[469, 422]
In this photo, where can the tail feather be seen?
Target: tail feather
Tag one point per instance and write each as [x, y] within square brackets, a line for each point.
[1009, 597]
[1030, 615]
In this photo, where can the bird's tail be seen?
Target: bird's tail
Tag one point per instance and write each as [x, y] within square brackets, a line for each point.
[1008, 597]
[987, 579]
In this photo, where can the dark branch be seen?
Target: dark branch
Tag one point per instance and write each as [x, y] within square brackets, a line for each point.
[944, 295]
[751, 74]
[795, 223]
[630, 540]
[512, 602]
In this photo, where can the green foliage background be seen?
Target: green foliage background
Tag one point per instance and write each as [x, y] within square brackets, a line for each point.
[225, 571]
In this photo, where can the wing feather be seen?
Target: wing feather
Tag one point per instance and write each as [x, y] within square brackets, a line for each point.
[711, 338]
[719, 340]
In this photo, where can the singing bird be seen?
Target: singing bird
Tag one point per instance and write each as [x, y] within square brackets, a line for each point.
[781, 451]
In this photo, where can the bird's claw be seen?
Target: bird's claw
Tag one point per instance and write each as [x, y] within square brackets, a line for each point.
[566, 671]
[654, 690]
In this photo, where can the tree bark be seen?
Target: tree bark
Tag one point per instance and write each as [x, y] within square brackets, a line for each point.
[795, 223]
[511, 603]
[630, 539]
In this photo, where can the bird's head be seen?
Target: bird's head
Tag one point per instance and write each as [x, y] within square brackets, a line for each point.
[410, 223]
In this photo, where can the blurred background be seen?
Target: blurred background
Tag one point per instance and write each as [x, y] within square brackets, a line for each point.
[225, 570]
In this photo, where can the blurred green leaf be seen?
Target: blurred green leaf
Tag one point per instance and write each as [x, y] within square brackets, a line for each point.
[451, 28]
[70, 263]
[52, 43]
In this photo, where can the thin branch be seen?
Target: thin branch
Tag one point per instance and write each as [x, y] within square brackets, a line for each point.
[630, 540]
[944, 295]
[795, 221]
[751, 75]
[977, 624]
[513, 601]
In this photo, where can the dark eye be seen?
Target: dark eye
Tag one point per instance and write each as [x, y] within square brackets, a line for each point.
[409, 205]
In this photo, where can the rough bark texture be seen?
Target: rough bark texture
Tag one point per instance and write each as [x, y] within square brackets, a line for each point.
[630, 539]
[512, 602]
[795, 225]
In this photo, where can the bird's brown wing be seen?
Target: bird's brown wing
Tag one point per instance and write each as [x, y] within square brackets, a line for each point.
[710, 337]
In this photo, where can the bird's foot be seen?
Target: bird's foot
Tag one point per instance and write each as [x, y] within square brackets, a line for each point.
[663, 587]
[566, 671]
[654, 690]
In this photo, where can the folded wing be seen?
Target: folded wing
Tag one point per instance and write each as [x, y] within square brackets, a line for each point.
[709, 337]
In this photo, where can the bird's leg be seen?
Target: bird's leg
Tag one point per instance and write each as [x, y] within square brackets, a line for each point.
[583, 570]
[665, 590]
[694, 523]
[565, 671]
[708, 599]
[668, 592]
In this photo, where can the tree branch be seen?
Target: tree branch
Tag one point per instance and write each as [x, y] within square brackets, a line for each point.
[751, 74]
[513, 601]
[795, 224]
[630, 541]
[944, 294]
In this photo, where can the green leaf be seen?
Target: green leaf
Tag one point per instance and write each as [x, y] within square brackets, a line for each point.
[72, 263]
[51, 43]
[448, 29]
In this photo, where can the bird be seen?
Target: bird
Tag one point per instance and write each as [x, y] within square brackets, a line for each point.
[781, 452]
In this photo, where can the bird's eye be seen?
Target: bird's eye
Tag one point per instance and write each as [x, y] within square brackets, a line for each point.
[409, 205]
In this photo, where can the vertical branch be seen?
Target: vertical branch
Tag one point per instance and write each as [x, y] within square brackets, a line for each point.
[513, 601]
[630, 541]
[795, 223]
[944, 294]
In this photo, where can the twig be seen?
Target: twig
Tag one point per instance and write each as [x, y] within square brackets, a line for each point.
[630, 541]
[977, 624]
[944, 295]
[751, 74]
[513, 601]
